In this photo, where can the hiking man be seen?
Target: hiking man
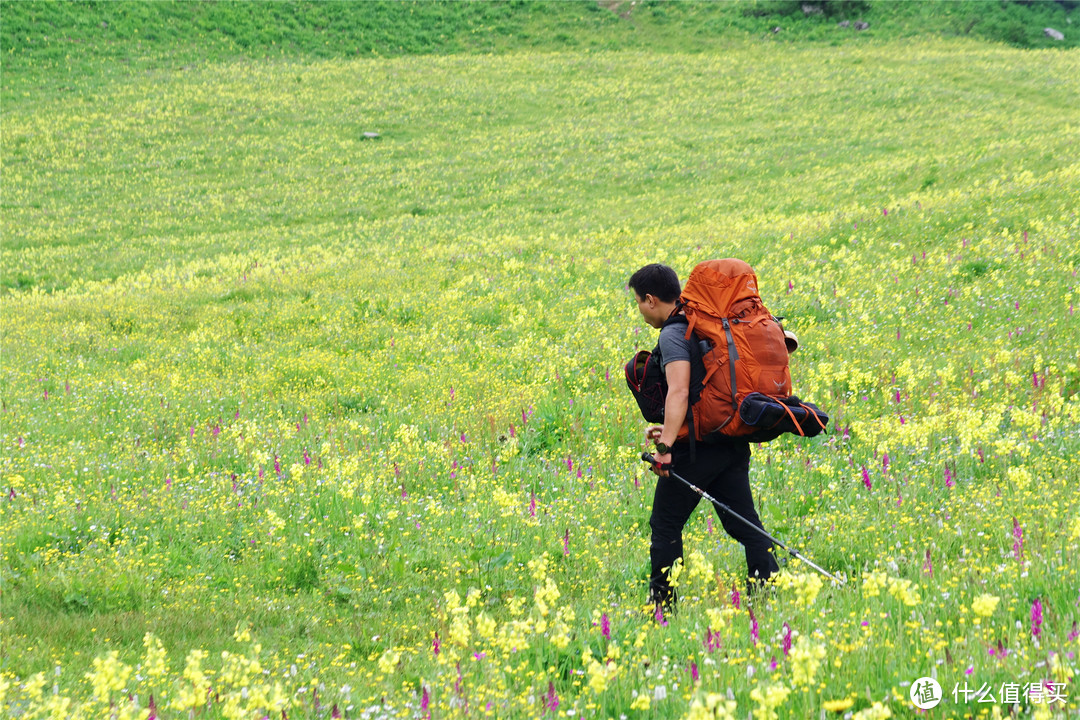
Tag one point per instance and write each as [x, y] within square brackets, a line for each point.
[720, 469]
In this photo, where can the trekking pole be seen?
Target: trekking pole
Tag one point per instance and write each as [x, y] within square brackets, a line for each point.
[794, 553]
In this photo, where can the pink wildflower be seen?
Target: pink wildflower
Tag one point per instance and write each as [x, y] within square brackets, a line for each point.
[753, 626]
[866, 478]
[551, 702]
[1036, 618]
[1018, 540]
[787, 639]
[605, 626]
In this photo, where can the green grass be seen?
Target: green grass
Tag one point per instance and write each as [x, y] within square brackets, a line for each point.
[258, 371]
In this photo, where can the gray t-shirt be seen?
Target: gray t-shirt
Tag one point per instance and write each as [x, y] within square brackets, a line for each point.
[673, 344]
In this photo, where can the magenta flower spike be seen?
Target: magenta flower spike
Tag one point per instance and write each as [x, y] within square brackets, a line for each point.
[605, 626]
[787, 639]
[753, 626]
[551, 701]
[1036, 618]
[866, 478]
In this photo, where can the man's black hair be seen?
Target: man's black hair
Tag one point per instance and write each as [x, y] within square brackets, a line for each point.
[657, 280]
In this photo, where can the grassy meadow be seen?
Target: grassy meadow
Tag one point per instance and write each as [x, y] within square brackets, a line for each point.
[302, 423]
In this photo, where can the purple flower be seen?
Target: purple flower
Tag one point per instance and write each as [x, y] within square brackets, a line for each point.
[1036, 618]
[1018, 540]
[753, 626]
[605, 626]
[436, 645]
[735, 597]
[693, 671]
[787, 639]
[659, 616]
[566, 542]
[866, 478]
[551, 701]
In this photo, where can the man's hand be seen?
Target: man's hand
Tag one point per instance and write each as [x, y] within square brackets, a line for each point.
[652, 433]
[661, 460]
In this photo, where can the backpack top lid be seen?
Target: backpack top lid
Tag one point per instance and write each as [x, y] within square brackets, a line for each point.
[716, 286]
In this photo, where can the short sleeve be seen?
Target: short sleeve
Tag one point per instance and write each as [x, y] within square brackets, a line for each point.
[673, 344]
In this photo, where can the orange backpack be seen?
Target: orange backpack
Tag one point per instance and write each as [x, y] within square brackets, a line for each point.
[747, 357]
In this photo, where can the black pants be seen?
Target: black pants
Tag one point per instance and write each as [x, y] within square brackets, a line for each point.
[723, 471]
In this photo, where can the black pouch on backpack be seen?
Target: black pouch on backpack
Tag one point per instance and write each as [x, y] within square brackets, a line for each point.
[775, 416]
[646, 383]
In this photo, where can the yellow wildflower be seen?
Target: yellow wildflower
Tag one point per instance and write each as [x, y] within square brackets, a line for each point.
[713, 707]
[388, 662]
[873, 582]
[805, 659]
[876, 712]
[768, 699]
[984, 605]
[837, 706]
